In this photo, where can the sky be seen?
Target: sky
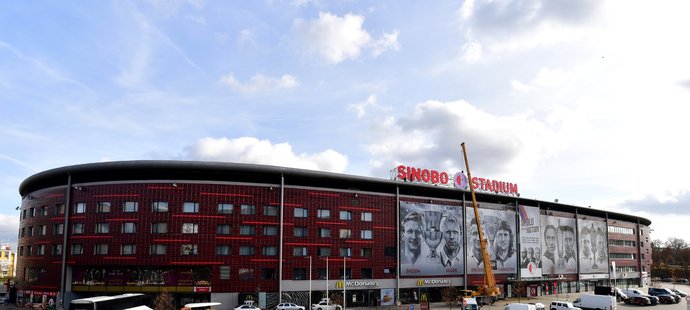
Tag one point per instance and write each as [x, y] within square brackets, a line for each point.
[584, 101]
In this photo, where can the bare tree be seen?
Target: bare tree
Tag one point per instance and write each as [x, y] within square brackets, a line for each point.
[163, 301]
[450, 295]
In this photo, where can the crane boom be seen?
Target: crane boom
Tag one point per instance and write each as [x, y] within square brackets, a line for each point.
[489, 288]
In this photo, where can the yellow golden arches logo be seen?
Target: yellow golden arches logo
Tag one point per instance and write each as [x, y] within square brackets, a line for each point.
[339, 284]
[424, 297]
[420, 282]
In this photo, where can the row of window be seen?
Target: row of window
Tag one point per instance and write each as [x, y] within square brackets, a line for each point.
[192, 249]
[189, 228]
[626, 243]
[622, 256]
[621, 230]
[299, 273]
[193, 207]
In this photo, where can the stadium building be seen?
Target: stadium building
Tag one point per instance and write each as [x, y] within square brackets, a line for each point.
[208, 231]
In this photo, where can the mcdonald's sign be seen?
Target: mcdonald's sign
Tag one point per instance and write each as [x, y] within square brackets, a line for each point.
[425, 282]
[339, 284]
[343, 284]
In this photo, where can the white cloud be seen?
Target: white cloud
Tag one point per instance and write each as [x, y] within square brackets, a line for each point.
[362, 108]
[252, 150]
[337, 39]
[260, 83]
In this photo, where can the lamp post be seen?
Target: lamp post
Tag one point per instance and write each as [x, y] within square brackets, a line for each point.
[309, 303]
[344, 282]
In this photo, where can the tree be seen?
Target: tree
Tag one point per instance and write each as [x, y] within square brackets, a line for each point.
[164, 302]
[450, 295]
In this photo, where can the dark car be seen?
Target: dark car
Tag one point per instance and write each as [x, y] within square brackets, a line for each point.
[652, 299]
[638, 300]
[659, 292]
[682, 281]
[680, 293]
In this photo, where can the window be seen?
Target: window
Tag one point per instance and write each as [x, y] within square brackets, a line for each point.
[389, 251]
[346, 215]
[160, 206]
[60, 209]
[32, 212]
[44, 211]
[42, 230]
[299, 273]
[188, 249]
[321, 273]
[324, 251]
[190, 207]
[299, 251]
[345, 252]
[103, 207]
[301, 212]
[345, 233]
[30, 231]
[268, 273]
[159, 228]
[57, 249]
[224, 208]
[366, 234]
[77, 228]
[246, 250]
[225, 272]
[28, 250]
[324, 232]
[80, 207]
[131, 206]
[128, 249]
[366, 252]
[129, 227]
[301, 232]
[348, 273]
[158, 249]
[77, 249]
[367, 217]
[323, 214]
[366, 273]
[223, 229]
[389, 270]
[270, 210]
[270, 231]
[190, 228]
[247, 230]
[223, 250]
[40, 249]
[247, 210]
[100, 249]
[245, 274]
[269, 251]
[102, 228]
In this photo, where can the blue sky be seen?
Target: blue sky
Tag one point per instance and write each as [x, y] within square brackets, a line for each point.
[584, 101]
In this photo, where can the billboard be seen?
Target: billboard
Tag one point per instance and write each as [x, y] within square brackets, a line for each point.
[558, 244]
[499, 229]
[530, 242]
[431, 239]
[593, 248]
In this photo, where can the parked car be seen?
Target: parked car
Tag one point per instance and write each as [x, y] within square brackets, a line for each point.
[667, 280]
[656, 279]
[638, 300]
[660, 291]
[632, 293]
[679, 292]
[519, 306]
[682, 281]
[562, 305]
[325, 305]
[595, 302]
[247, 306]
[653, 299]
[289, 306]
[538, 305]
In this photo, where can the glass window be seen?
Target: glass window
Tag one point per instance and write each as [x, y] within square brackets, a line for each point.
[128, 249]
[77, 249]
[299, 273]
[223, 229]
[159, 228]
[301, 232]
[269, 251]
[58, 229]
[345, 233]
[42, 230]
[345, 252]
[77, 228]
[28, 250]
[225, 208]
[324, 214]
[131, 206]
[32, 212]
[57, 249]
[347, 275]
[268, 273]
[389, 251]
[367, 217]
[270, 210]
[100, 249]
[223, 250]
[366, 273]
[324, 251]
[40, 249]
[301, 212]
[299, 251]
[102, 228]
[366, 252]
[129, 227]
[190, 228]
[160, 206]
[366, 234]
[247, 230]
[246, 250]
[60, 208]
[158, 249]
[225, 272]
[190, 207]
[188, 249]
[80, 207]
[270, 231]
[324, 232]
[31, 231]
[246, 274]
[103, 207]
[44, 210]
[247, 210]
[346, 215]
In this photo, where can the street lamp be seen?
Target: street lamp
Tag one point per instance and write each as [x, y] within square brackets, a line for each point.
[344, 282]
[309, 303]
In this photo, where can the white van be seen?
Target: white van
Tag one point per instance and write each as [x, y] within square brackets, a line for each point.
[471, 304]
[520, 306]
[596, 302]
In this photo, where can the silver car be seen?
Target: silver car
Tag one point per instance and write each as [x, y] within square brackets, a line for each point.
[288, 306]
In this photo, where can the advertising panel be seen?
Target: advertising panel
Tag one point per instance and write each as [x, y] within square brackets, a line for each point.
[530, 242]
[499, 229]
[593, 255]
[431, 239]
[558, 244]
[387, 296]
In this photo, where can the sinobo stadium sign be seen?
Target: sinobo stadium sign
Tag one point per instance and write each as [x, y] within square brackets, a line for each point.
[457, 180]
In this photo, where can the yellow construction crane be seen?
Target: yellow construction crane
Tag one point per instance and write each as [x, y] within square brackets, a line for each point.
[489, 289]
